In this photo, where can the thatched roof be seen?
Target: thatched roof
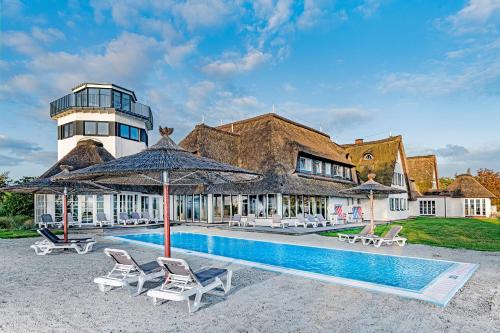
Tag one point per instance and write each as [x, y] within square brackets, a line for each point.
[269, 144]
[466, 186]
[423, 169]
[384, 152]
[373, 187]
[148, 166]
[86, 153]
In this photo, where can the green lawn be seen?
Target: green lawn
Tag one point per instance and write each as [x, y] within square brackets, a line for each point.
[6, 233]
[473, 234]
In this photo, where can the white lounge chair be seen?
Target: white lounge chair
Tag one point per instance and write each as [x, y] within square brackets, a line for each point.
[127, 271]
[352, 238]
[136, 218]
[321, 219]
[102, 220]
[249, 221]
[301, 221]
[123, 218]
[182, 283]
[235, 220]
[312, 219]
[146, 216]
[72, 222]
[389, 238]
[276, 221]
[52, 242]
[46, 220]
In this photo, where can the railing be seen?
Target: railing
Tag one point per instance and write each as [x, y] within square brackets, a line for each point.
[101, 101]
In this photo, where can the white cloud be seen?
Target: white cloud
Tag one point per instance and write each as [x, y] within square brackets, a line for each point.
[203, 13]
[177, 53]
[48, 35]
[368, 7]
[473, 17]
[288, 87]
[231, 65]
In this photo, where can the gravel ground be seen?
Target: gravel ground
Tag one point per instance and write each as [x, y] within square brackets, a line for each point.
[55, 293]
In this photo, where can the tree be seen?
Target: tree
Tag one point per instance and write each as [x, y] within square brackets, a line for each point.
[444, 182]
[4, 181]
[12, 204]
[491, 180]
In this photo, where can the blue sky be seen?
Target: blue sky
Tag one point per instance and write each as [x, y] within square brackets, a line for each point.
[429, 70]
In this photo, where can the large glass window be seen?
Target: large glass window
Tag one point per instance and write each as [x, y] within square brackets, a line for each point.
[217, 207]
[318, 167]
[58, 213]
[427, 207]
[144, 204]
[124, 131]
[134, 133]
[93, 97]
[41, 205]
[234, 205]
[261, 205]
[189, 208]
[117, 100]
[105, 97]
[102, 128]
[286, 206]
[244, 205]
[300, 204]
[328, 169]
[204, 207]
[253, 204]
[306, 205]
[100, 203]
[196, 207]
[90, 128]
[271, 205]
[68, 130]
[293, 208]
[88, 209]
[126, 102]
[305, 164]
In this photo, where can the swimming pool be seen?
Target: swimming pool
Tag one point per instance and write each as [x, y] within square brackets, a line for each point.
[405, 276]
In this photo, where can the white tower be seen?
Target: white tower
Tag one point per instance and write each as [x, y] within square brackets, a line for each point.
[103, 112]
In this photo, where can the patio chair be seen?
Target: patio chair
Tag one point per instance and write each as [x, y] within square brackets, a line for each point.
[352, 238]
[136, 218]
[235, 220]
[52, 242]
[301, 221]
[72, 222]
[339, 215]
[321, 219]
[389, 238]
[46, 220]
[102, 220]
[146, 216]
[276, 221]
[249, 221]
[127, 271]
[312, 219]
[182, 283]
[123, 218]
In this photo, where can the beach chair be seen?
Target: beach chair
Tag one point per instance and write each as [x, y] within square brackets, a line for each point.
[356, 215]
[136, 218]
[52, 242]
[276, 221]
[301, 221]
[312, 219]
[102, 220]
[72, 222]
[322, 220]
[123, 218]
[352, 238]
[182, 283]
[46, 220]
[249, 221]
[339, 215]
[127, 271]
[235, 220]
[146, 216]
[389, 238]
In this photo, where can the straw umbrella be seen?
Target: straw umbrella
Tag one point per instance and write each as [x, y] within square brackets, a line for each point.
[165, 164]
[370, 188]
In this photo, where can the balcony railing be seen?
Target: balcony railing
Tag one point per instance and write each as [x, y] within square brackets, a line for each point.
[101, 101]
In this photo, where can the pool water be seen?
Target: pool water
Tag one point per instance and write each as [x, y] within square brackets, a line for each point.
[412, 274]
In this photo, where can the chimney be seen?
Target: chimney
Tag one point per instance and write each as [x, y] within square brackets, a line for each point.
[358, 141]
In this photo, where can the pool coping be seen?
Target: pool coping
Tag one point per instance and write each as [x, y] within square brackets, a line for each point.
[439, 291]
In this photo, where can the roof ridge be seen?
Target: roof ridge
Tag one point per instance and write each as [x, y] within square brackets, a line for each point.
[398, 137]
[274, 115]
[217, 129]
[422, 156]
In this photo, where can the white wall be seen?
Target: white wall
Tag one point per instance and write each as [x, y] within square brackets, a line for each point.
[447, 207]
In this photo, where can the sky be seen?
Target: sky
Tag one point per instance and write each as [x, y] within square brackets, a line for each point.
[428, 70]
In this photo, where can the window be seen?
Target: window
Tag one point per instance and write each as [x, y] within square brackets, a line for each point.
[227, 206]
[347, 173]
[475, 207]
[144, 136]
[68, 130]
[391, 204]
[189, 207]
[204, 207]
[102, 128]
[305, 164]
[293, 206]
[124, 131]
[368, 157]
[318, 167]
[41, 206]
[126, 102]
[100, 203]
[271, 205]
[105, 97]
[244, 205]
[93, 97]
[286, 206]
[261, 205]
[134, 133]
[328, 169]
[427, 207]
[144, 204]
[117, 100]
[217, 207]
[95, 128]
[253, 204]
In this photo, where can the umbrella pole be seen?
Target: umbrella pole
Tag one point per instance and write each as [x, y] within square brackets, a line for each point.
[166, 215]
[65, 213]
[372, 222]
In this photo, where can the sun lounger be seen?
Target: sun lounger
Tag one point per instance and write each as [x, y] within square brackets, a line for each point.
[301, 221]
[276, 221]
[321, 219]
[249, 221]
[312, 219]
[389, 238]
[235, 220]
[136, 218]
[352, 238]
[102, 220]
[46, 220]
[145, 215]
[182, 283]
[52, 242]
[72, 222]
[123, 218]
[127, 271]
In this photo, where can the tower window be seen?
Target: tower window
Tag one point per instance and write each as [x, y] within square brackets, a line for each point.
[95, 128]
[368, 157]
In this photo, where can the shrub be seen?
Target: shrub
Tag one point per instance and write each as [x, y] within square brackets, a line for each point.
[17, 222]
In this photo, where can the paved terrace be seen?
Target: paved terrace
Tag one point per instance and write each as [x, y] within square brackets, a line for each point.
[55, 293]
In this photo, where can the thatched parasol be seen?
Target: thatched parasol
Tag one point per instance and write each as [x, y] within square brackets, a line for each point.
[371, 187]
[164, 163]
